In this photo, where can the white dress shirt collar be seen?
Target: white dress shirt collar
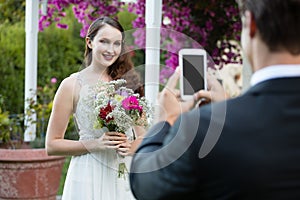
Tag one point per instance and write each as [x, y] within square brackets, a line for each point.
[275, 71]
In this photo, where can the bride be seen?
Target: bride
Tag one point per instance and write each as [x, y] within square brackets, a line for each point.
[93, 170]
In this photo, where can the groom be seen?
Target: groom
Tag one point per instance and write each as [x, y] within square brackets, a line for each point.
[243, 148]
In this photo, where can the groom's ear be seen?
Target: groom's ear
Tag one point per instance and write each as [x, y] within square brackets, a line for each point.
[251, 23]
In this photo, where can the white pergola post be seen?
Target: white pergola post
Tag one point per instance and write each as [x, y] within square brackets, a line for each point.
[31, 29]
[153, 24]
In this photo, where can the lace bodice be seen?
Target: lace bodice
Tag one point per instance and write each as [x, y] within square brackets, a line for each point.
[84, 114]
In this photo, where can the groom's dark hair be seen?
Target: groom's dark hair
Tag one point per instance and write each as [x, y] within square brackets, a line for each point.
[278, 22]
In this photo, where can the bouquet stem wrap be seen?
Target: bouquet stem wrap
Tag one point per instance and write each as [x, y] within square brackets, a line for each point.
[122, 169]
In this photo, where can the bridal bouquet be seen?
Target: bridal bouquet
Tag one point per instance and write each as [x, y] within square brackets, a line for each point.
[118, 108]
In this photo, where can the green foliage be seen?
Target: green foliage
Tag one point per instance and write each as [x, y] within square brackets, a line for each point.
[64, 174]
[11, 128]
[125, 18]
[60, 53]
[12, 11]
[12, 53]
[4, 122]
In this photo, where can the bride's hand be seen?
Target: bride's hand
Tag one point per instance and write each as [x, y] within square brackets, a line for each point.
[112, 140]
[124, 148]
[109, 140]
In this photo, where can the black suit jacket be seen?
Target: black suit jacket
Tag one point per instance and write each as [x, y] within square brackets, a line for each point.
[244, 148]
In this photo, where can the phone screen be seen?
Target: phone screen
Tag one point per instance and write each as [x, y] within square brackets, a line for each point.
[193, 73]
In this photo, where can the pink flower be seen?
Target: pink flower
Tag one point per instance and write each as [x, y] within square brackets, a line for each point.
[131, 103]
[53, 80]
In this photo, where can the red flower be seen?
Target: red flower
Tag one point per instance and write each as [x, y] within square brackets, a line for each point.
[104, 112]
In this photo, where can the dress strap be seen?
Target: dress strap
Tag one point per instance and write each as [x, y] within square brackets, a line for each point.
[76, 89]
[76, 95]
[78, 77]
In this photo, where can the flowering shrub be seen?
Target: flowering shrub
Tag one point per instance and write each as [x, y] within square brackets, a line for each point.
[203, 26]
[211, 24]
[84, 11]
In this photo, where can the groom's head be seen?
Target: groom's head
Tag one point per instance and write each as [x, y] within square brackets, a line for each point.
[277, 22]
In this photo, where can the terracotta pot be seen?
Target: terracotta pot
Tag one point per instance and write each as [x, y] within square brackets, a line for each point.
[29, 174]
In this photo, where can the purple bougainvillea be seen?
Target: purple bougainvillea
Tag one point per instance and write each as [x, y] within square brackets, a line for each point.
[210, 24]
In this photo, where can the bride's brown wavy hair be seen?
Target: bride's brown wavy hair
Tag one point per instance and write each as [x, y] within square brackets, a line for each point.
[123, 67]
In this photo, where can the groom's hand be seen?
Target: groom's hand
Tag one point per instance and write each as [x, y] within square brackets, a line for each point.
[169, 102]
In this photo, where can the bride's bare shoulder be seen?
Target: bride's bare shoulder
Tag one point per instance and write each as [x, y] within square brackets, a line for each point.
[70, 81]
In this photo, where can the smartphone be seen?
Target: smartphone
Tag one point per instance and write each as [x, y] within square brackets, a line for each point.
[193, 65]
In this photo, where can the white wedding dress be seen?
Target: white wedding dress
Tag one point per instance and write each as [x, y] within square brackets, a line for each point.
[94, 176]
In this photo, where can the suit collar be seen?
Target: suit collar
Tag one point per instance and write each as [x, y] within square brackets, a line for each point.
[277, 85]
